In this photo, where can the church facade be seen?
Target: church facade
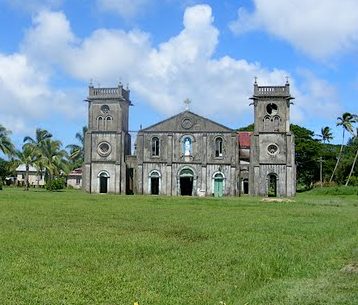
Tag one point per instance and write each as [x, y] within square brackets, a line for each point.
[187, 154]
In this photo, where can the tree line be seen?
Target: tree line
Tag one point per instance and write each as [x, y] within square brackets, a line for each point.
[338, 161]
[42, 152]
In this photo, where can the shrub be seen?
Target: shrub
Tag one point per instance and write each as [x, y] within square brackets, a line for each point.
[336, 190]
[55, 184]
[1, 184]
[353, 181]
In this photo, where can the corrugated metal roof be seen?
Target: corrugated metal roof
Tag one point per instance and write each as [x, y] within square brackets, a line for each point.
[22, 168]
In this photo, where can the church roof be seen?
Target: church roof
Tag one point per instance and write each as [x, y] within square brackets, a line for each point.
[187, 121]
[244, 139]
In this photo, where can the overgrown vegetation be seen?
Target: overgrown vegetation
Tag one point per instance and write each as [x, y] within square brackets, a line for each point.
[74, 248]
[56, 184]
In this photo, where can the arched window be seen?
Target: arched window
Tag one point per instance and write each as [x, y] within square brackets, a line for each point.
[276, 123]
[267, 123]
[218, 147]
[155, 146]
[187, 146]
[108, 123]
[99, 123]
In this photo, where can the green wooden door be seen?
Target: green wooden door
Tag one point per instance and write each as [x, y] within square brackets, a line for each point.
[218, 187]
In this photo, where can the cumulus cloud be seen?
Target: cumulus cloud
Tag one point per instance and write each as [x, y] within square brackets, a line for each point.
[183, 67]
[25, 94]
[320, 28]
[50, 38]
[165, 75]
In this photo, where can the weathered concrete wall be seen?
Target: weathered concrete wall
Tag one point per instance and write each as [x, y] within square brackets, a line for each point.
[272, 144]
[107, 140]
[203, 159]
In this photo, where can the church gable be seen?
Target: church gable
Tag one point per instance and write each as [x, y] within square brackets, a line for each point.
[187, 121]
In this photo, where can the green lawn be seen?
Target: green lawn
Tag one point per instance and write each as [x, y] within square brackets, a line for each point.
[75, 248]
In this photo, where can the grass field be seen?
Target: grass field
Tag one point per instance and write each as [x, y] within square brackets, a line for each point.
[75, 248]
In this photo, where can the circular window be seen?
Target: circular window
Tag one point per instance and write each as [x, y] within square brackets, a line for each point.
[186, 123]
[104, 149]
[272, 109]
[272, 149]
[105, 108]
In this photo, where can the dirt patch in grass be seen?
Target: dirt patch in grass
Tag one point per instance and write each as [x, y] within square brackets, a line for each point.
[270, 199]
[350, 268]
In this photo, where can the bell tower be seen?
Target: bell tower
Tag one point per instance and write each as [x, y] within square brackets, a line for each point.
[272, 155]
[107, 140]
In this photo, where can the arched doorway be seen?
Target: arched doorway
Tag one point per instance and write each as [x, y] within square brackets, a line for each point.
[245, 186]
[218, 184]
[103, 182]
[272, 185]
[154, 183]
[186, 180]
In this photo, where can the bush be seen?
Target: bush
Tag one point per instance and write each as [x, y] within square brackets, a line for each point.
[336, 190]
[56, 184]
[353, 181]
[1, 184]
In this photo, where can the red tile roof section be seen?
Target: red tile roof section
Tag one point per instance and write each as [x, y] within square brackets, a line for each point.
[76, 172]
[244, 139]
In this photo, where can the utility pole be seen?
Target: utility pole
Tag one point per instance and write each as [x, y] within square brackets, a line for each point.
[320, 160]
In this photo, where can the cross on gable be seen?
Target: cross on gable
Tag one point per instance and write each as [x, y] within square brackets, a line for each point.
[187, 103]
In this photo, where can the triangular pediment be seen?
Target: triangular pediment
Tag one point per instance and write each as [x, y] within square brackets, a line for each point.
[187, 121]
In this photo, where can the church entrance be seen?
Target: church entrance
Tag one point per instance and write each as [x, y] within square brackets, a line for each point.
[186, 182]
[154, 185]
[245, 184]
[218, 185]
[272, 185]
[154, 182]
[103, 183]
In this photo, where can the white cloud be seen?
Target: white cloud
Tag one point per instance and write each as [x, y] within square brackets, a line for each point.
[182, 67]
[124, 8]
[25, 95]
[319, 28]
[50, 38]
[164, 76]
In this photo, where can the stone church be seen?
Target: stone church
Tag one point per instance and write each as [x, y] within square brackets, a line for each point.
[188, 154]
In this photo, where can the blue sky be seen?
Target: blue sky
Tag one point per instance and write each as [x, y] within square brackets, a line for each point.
[170, 50]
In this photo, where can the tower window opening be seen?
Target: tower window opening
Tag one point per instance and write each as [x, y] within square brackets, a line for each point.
[218, 147]
[155, 146]
[272, 109]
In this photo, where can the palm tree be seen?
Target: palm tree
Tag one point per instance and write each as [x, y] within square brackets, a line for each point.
[326, 134]
[53, 158]
[355, 138]
[77, 151]
[27, 157]
[346, 122]
[6, 146]
[41, 135]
